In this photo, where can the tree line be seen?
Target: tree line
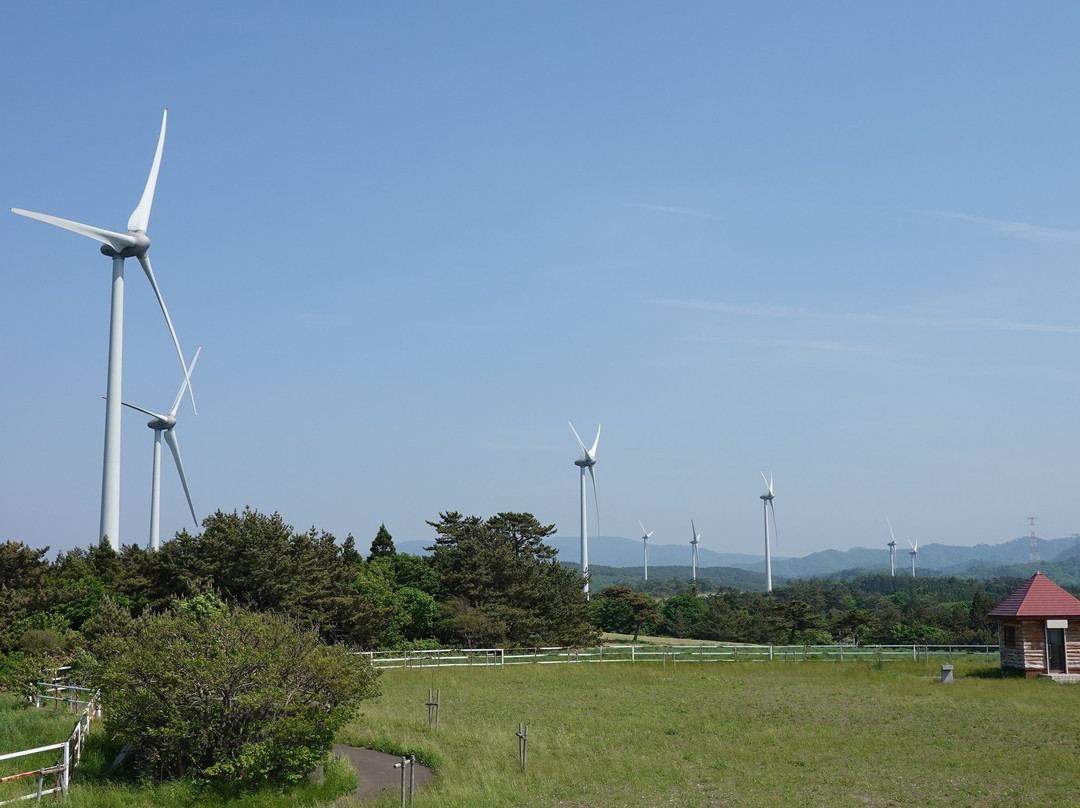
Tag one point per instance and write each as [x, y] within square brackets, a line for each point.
[486, 582]
[868, 609]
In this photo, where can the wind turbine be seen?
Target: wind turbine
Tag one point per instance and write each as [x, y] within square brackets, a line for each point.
[695, 537]
[587, 461]
[163, 425]
[118, 246]
[645, 546]
[914, 553]
[892, 549]
[767, 505]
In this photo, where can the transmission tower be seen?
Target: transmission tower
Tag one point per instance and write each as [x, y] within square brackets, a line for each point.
[1033, 545]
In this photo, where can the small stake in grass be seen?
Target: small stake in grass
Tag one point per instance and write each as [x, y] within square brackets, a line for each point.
[409, 761]
[433, 707]
[523, 744]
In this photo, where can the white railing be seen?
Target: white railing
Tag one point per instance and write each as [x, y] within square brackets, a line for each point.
[481, 657]
[70, 751]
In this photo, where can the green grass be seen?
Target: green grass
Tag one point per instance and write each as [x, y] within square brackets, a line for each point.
[24, 727]
[722, 734]
[93, 790]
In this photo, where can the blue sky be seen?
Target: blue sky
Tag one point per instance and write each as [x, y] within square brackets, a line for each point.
[838, 242]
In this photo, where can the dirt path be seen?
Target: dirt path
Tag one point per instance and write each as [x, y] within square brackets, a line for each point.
[375, 771]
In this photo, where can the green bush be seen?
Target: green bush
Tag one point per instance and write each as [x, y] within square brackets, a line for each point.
[228, 695]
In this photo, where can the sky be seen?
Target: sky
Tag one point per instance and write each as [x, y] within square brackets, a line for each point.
[833, 242]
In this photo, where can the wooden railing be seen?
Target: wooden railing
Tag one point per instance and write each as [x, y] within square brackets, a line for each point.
[480, 657]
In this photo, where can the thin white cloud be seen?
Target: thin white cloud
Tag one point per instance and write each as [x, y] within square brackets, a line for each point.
[1019, 230]
[787, 313]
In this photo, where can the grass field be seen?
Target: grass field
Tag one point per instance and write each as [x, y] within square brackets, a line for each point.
[809, 734]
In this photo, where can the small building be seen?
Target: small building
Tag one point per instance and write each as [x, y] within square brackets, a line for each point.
[1039, 630]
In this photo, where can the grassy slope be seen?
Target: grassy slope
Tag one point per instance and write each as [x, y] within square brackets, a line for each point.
[23, 727]
[733, 735]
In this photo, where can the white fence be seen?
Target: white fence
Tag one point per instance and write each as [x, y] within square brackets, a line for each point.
[480, 657]
[70, 751]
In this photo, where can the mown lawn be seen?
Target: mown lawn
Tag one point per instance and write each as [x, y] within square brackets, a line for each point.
[722, 734]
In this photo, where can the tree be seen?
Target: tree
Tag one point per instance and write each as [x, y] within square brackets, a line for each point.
[502, 585]
[382, 546]
[797, 620]
[221, 693]
[623, 609]
[684, 615]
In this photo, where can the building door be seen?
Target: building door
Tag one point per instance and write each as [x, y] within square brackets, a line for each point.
[1055, 643]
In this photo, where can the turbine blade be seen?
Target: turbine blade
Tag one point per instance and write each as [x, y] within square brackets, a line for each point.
[642, 528]
[891, 536]
[118, 241]
[579, 443]
[186, 383]
[592, 451]
[140, 217]
[170, 438]
[775, 529]
[144, 261]
[768, 485]
[147, 412]
[596, 500]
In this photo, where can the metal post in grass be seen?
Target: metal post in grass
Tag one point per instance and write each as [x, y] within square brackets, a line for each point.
[410, 762]
[523, 744]
[433, 707]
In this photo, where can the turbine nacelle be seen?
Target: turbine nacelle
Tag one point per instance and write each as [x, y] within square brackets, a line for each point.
[136, 250]
[162, 422]
[768, 495]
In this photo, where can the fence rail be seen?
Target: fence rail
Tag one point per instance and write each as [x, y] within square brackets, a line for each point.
[497, 657]
[70, 750]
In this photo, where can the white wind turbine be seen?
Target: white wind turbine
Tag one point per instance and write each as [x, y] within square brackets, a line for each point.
[767, 504]
[914, 553]
[695, 537]
[645, 545]
[164, 425]
[892, 549]
[587, 461]
[118, 246]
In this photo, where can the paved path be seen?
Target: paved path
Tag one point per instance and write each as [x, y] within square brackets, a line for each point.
[375, 771]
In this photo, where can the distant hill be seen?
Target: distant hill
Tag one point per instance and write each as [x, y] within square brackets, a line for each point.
[1059, 560]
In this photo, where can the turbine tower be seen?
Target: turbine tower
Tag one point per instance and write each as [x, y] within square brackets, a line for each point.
[164, 425]
[587, 461]
[695, 537]
[118, 246]
[914, 553]
[767, 505]
[892, 549]
[645, 545]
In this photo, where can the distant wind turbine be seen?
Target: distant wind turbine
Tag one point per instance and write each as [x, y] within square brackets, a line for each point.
[587, 461]
[118, 246]
[914, 552]
[767, 504]
[695, 537]
[645, 545]
[892, 549]
[164, 425]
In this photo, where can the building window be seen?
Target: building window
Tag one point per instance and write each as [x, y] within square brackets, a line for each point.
[1009, 635]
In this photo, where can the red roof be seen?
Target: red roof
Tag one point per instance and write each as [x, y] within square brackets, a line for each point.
[1038, 597]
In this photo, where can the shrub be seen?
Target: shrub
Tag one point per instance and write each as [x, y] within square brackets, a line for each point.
[228, 695]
